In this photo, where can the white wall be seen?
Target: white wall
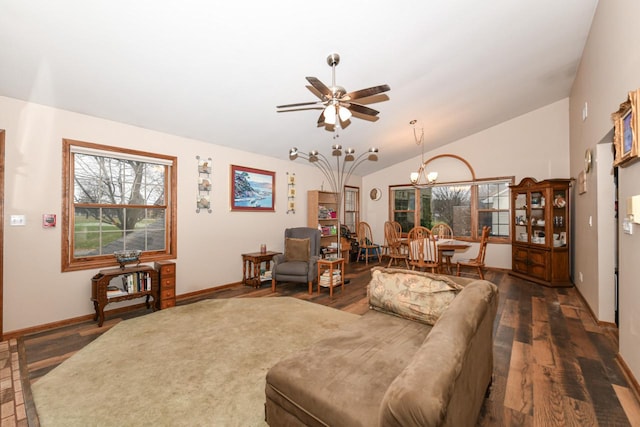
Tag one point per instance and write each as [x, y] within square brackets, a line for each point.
[532, 145]
[209, 245]
[609, 69]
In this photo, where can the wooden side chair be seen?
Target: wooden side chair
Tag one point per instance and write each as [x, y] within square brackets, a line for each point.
[392, 237]
[422, 249]
[477, 262]
[366, 246]
[443, 232]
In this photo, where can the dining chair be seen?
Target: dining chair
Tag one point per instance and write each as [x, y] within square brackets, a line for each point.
[392, 237]
[386, 247]
[366, 246]
[442, 231]
[422, 249]
[477, 262]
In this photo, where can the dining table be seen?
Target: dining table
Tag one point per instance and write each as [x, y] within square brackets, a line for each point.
[449, 245]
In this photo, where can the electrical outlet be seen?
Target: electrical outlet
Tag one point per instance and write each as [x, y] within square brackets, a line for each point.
[585, 111]
[581, 277]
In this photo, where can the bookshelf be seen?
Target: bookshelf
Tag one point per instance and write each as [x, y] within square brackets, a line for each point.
[132, 282]
[322, 213]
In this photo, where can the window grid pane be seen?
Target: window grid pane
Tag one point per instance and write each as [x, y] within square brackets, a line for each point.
[117, 183]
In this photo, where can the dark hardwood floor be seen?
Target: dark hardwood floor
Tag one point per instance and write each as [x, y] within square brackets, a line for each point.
[553, 365]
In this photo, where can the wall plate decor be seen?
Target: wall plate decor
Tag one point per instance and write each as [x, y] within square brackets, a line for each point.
[588, 160]
[375, 194]
[203, 198]
[252, 189]
[625, 137]
[291, 192]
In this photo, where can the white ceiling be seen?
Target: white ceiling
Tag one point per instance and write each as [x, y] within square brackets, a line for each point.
[214, 70]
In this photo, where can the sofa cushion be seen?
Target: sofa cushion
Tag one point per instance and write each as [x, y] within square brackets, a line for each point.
[411, 294]
[340, 380]
[296, 249]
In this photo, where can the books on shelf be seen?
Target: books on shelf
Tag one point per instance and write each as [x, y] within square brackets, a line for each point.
[325, 278]
[139, 281]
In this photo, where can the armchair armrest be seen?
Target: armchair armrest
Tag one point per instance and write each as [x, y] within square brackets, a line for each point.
[277, 259]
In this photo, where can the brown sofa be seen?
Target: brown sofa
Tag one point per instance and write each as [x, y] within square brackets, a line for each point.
[387, 370]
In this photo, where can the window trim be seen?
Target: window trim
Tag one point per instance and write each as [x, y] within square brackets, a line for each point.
[68, 263]
[475, 233]
[357, 203]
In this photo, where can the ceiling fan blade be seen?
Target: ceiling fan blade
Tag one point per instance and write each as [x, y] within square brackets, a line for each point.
[362, 109]
[364, 93]
[321, 119]
[300, 104]
[320, 87]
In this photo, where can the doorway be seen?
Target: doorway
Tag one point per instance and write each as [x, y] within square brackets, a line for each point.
[1, 230]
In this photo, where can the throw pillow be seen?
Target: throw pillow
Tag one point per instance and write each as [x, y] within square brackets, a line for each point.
[296, 249]
[414, 295]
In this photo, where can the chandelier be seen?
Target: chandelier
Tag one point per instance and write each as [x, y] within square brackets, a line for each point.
[422, 178]
[338, 176]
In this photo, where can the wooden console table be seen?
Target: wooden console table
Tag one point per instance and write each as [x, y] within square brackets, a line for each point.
[140, 287]
[251, 276]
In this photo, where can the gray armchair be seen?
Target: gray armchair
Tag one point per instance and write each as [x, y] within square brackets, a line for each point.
[288, 268]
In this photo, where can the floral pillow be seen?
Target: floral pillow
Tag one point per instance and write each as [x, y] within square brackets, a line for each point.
[411, 294]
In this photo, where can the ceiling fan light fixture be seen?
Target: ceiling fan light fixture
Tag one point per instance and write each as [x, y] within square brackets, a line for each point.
[330, 114]
[344, 113]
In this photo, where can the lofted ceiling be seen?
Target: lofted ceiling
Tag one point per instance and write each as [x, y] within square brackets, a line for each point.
[215, 71]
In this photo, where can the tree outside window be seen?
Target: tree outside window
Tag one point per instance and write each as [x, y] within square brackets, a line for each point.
[116, 201]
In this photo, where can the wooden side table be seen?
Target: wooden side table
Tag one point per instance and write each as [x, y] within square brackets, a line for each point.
[331, 265]
[144, 283]
[251, 276]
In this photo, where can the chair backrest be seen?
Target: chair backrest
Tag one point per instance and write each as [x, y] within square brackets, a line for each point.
[442, 230]
[484, 239]
[422, 246]
[365, 237]
[313, 234]
[391, 236]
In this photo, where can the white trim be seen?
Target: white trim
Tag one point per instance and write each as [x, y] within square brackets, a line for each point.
[119, 155]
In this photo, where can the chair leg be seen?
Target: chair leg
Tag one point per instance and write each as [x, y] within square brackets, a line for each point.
[273, 285]
[458, 272]
[310, 287]
[480, 273]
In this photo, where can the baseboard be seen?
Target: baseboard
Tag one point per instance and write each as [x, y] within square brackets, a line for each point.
[74, 320]
[199, 293]
[631, 379]
[635, 387]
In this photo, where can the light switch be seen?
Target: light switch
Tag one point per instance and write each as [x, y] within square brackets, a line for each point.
[17, 220]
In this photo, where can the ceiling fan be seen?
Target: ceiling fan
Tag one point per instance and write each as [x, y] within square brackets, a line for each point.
[337, 105]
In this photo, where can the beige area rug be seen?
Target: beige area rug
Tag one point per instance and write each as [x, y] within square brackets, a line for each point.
[202, 364]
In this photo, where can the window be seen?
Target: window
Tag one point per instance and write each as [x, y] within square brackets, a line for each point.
[351, 207]
[116, 199]
[465, 207]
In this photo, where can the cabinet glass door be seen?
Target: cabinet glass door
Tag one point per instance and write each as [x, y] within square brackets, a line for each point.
[537, 221]
[559, 218]
[521, 218]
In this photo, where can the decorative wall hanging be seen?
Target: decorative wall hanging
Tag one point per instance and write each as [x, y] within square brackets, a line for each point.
[203, 199]
[625, 137]
[252, 189]
[291, 192]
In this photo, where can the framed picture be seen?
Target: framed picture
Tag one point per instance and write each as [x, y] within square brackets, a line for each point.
[625, 122]
[252, 189]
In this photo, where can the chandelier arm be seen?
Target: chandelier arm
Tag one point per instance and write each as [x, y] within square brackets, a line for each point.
[322, 163]
[357, 162]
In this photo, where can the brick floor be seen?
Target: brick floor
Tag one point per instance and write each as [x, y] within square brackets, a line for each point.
[12, 410]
